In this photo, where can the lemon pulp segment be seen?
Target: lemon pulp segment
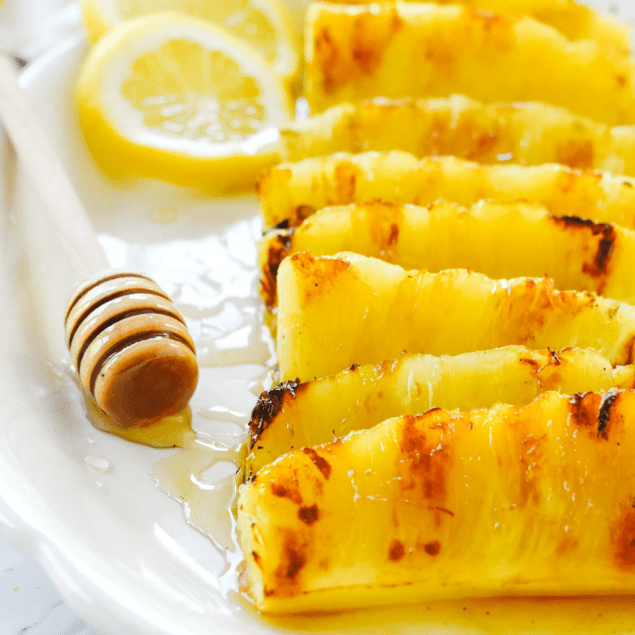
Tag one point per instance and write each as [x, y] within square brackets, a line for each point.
[190, 92]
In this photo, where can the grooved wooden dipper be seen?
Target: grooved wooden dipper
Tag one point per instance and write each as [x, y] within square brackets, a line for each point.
[127, 340]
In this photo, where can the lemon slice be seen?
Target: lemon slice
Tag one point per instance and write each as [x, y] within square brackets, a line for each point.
[178, 99]
[266, 24]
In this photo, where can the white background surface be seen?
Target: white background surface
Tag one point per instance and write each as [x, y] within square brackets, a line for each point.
[29, 602]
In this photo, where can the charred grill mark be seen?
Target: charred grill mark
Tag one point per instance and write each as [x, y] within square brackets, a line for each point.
[364, 56]
[384, 221]
[283, 224]
[320, 462]
[554, 357]
[396, 551]
[386, 367]
[441, 56]
[329, 61]
[368, 45]
[264, 176]
[530, 362]
[345, 182]
[309, 515]
[293, 557]
[566, 545]
[393, 235]
[599, 265]
[584, 407]
[623, 539]
[594, 411]
[576, 221]
[285, 491]
[360, 55]
[278, 250]
[426, 458]
[629, 352]
[576, 153]
[604, 414]
[296, 560]
[441, 509]
[605, 250]
[478, 144]
[301, 213]
[269, 406]
[530, 303]
[433, 548]
[317, 273]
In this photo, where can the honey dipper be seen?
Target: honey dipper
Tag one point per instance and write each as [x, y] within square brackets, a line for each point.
[127, 341]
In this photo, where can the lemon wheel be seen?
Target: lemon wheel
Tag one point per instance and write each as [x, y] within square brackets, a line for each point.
[266, 24]
[178, 99]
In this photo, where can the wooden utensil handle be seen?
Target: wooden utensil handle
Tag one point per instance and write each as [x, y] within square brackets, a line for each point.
[45, 172]
[128, 342]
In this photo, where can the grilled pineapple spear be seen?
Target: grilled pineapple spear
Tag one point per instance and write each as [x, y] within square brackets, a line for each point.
[425, 50]
[294, 415]
[533, 500]
[573, 20]
[499, 240]
[349, 309]
[528, 133]
[291, 192]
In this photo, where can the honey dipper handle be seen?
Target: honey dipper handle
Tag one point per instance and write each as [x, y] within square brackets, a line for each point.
[46, 173]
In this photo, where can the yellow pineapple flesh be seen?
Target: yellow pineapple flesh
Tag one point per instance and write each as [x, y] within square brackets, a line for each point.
[499, 240]
[291, 192]
[514, 500]
[424, 50]
[335, 311]
[528, 133]
[380, 482]
[575, 21]
[294, 415]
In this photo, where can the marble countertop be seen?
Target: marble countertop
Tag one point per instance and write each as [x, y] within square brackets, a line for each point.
[30, 603]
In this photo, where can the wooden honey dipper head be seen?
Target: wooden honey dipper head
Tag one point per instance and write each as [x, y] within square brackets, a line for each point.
[131, 348]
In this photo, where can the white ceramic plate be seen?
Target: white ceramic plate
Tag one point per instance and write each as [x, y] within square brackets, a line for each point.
[84, 503]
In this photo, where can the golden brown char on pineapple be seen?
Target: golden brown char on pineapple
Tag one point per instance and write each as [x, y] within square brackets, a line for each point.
[528, 133]
[294, 415]
[575, 21]
[533, 500]
[499, 240]
[335, 311]
[291, 192]
[424, 50]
